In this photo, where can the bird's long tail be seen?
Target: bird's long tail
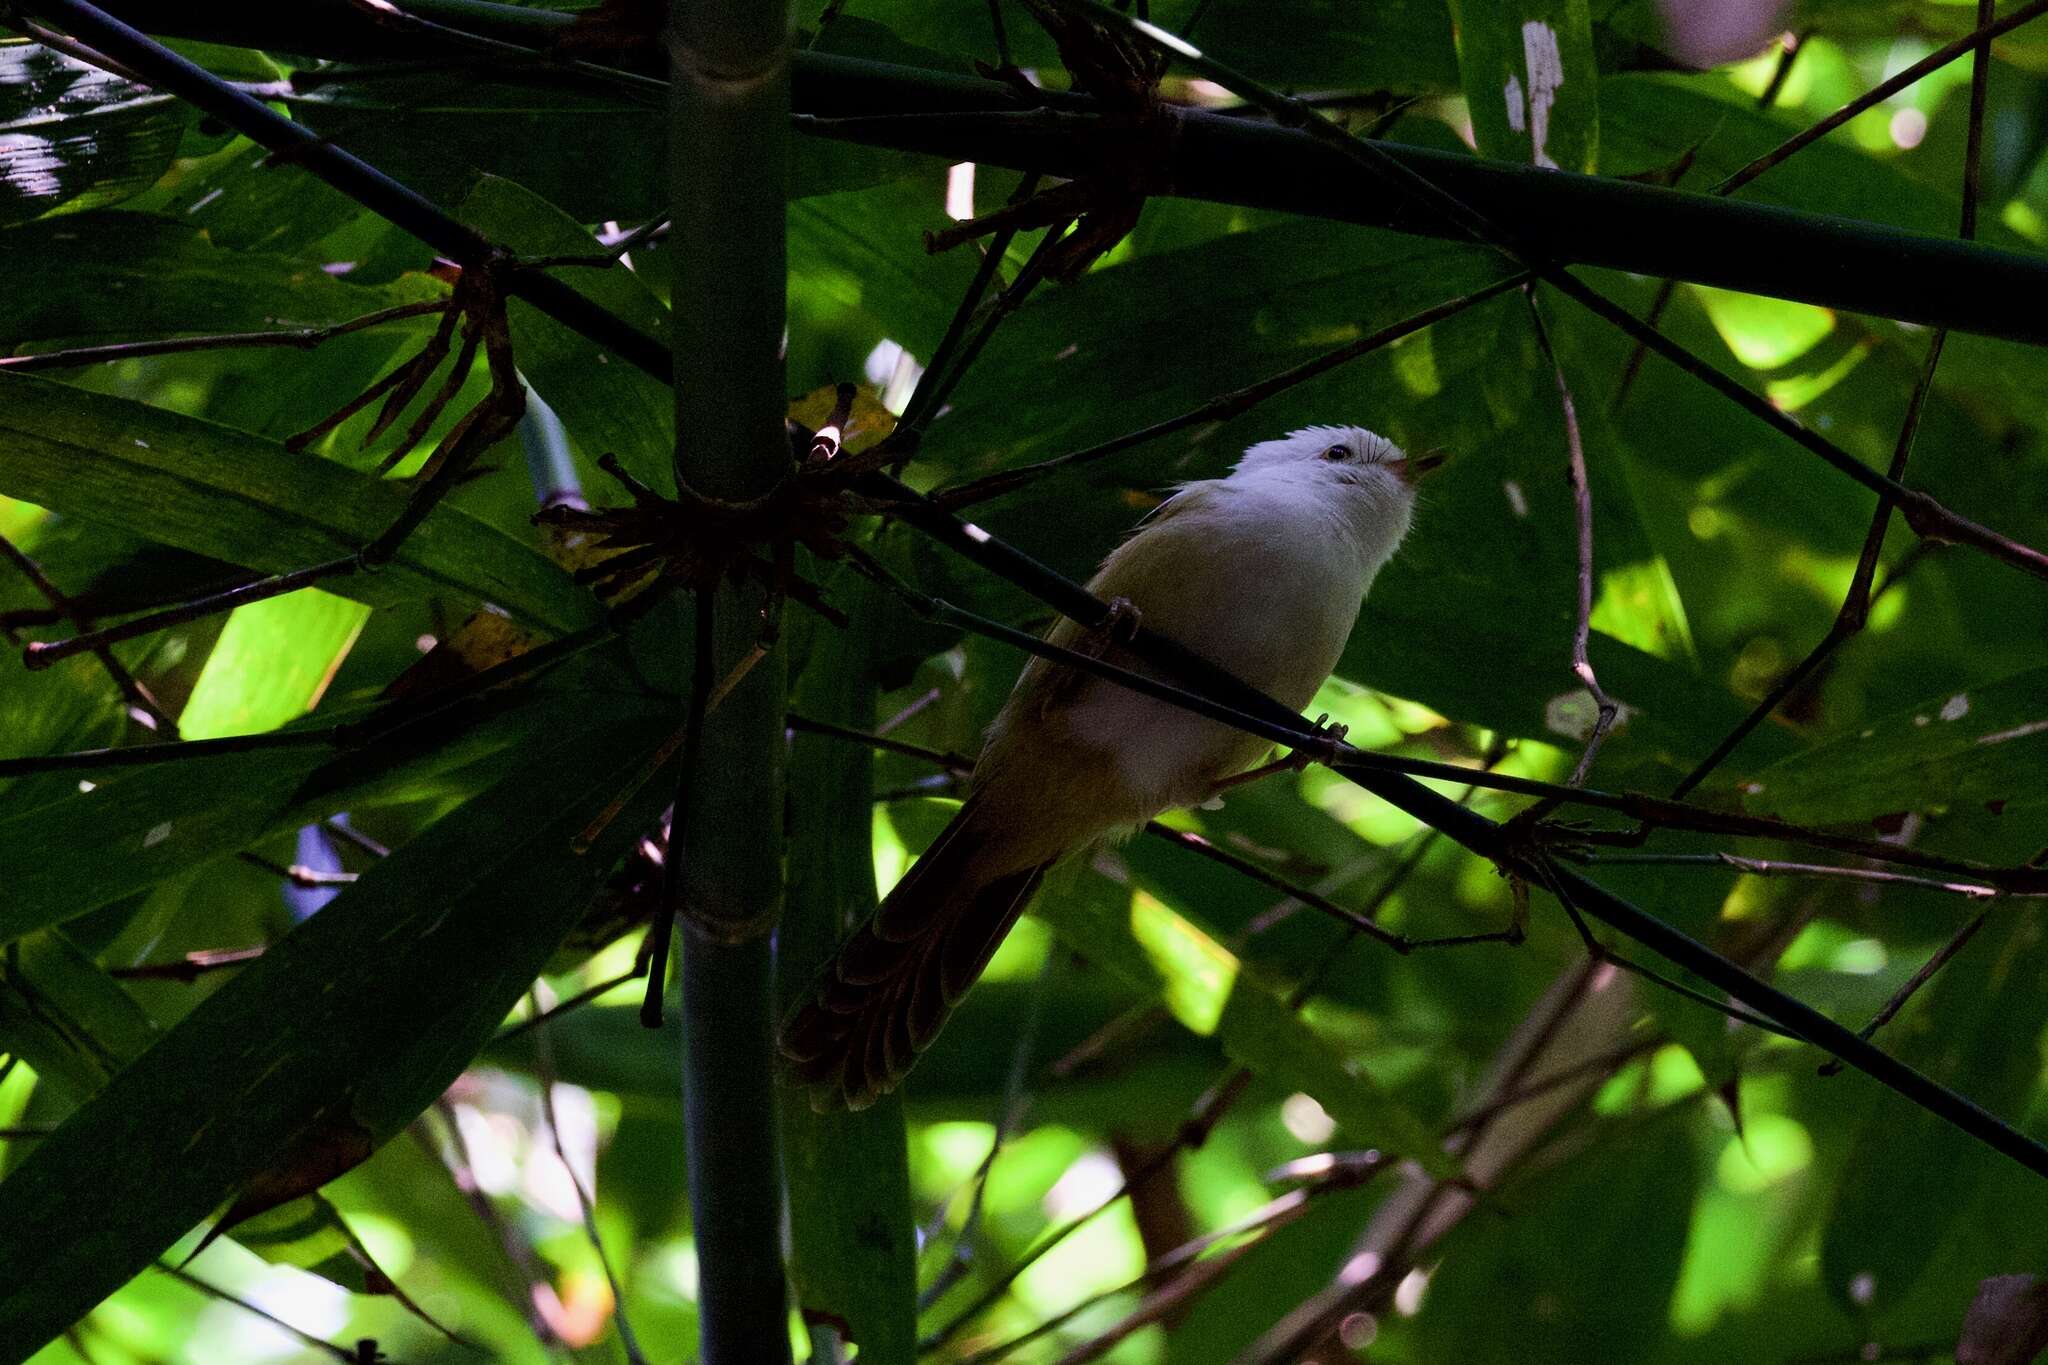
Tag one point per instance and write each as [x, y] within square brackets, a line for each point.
[885, 994]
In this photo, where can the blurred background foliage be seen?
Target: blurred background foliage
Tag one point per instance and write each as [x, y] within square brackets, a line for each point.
[1703, 1195]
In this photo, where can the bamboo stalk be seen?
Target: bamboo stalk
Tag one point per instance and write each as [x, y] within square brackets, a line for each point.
[729, 106]
[1565, 218]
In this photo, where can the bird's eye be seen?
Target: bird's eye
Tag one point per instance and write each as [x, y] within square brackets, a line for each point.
[1337, 453]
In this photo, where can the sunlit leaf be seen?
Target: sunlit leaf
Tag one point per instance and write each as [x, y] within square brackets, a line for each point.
[271, 663]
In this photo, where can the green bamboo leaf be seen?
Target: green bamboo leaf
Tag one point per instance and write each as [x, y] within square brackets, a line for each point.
[124, 276]
[1530, 80]
[1173, 962]
[1086, 362]
[129, 829]
[606, 404]
[63, 1015]
[1970, 746]
[862, 254]
[242, 499]
[853, 1239]
[1977, 1028]
[69, 846]
[345, 1030]
[75, 137]
[271, 663]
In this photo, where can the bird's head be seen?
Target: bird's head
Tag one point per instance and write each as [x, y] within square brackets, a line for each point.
[1374, 478]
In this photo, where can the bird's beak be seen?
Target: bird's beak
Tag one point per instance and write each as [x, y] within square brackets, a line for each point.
[1415, 467]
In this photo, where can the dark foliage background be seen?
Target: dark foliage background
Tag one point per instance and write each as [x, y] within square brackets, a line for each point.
[1698, 1192]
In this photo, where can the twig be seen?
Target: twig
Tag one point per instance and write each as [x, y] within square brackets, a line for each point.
[41, 654]
[1357, 763]
[1358, 922]
[1223, 407]
[129, 685]
[297, 874]
[1600, 952]
[1597, 1065]
[1029, 277]
[1246, 1232]
[190, 967]
[544, 1075]
[921, 406]
[1582, 503]
[518, 1253]
[1770, 867]
[1898, 1000]
[1351, 919]
[300, 338]
[1194, 1130]
[1787, 56]
[569, 1004]
[320, 1344]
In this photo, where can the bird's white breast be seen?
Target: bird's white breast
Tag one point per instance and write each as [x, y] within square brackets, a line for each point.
[1262, 583]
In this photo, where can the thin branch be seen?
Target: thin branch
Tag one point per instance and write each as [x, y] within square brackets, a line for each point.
[544, 1075]
[41, 654]
[299, 338]
[1201, 1121]
[144, 755]
[703, 669]
[297, 874]
[1358, 922]
[569, 1004]
[1357, 763]
[1770, 867]
[126, 682]
[923, 405]
[190, 967]
[1193, 1256]
[1787, 56]
[519, 1255]
[1351, 919]
[319, 1344]
[1029, 277]
[1599, 1064]
[1582, 504]
[947, 759]
[1600, 952]
[1898, 1000]
[387, 720]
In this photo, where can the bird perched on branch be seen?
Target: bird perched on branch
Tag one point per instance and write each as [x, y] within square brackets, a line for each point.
[1262, 573]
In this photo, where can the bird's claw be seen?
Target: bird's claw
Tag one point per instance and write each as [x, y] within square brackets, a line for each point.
[1123, 621]
[1326, 747]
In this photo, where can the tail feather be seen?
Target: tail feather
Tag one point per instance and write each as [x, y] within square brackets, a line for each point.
[882, 1000]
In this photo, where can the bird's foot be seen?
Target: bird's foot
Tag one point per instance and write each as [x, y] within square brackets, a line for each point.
[1326, 747]
[1119, 626]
